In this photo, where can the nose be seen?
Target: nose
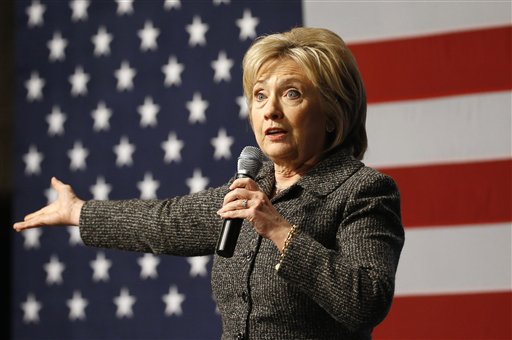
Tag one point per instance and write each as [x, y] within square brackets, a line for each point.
[273, 109]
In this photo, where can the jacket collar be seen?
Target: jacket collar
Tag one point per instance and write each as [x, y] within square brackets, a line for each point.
[320, 180]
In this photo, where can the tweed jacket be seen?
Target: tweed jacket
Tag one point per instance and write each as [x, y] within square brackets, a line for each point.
[336, 280]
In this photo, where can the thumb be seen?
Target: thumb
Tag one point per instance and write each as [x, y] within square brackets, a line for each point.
[56, 184]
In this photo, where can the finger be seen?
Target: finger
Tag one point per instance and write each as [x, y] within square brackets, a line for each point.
[41, 211]
[31, 215]
[60, 186]
[20, 226]
[235, 205]
[238, 183]
[236, 194]
[245, 182]
[237, 213]
[34, 222]
[56, 184]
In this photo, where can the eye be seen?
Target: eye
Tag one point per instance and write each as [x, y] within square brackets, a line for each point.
[259, 96]
[292, 94]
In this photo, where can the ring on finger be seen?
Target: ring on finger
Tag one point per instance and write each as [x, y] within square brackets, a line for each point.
[244, 204]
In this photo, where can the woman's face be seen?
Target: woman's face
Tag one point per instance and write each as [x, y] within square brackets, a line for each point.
[286, 114]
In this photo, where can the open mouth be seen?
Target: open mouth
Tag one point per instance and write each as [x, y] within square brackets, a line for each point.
[274, 131]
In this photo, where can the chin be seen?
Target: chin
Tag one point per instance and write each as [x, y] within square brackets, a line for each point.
[279, 153]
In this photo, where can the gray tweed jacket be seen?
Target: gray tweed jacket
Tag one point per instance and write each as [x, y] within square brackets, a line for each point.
[336, 280]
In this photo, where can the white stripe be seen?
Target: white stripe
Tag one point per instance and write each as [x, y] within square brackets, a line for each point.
[442, 130]
[376, 20]
[455, 260]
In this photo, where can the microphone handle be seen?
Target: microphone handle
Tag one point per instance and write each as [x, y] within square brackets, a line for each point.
[228, 236]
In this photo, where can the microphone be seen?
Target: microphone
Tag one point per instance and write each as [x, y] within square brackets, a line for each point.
[249, 163]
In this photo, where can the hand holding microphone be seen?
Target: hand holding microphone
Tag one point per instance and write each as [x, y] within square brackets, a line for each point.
[249, 163]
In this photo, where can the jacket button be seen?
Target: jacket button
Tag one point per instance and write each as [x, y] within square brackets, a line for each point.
[249, 255]
[239, 336]
[245, 296]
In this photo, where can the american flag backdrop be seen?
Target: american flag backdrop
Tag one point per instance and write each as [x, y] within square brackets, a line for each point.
[438, 76]
[143, 99]
[126, 99]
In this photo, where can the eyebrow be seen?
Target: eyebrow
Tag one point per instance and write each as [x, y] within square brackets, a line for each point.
[284, 81]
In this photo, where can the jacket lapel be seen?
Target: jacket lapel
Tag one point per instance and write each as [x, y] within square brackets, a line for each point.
[322, 179]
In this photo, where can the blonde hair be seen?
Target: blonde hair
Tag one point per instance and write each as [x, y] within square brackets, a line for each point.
[330, 65]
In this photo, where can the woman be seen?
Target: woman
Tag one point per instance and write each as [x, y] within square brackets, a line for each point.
[322, 234]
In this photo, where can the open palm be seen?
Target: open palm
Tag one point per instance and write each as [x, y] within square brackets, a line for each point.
[63, 211]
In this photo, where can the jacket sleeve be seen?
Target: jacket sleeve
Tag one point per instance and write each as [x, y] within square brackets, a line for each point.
[186, 225]
[354, 282]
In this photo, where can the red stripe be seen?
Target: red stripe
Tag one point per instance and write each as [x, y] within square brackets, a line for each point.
[440, 65]
[472, 316]
[450, 194]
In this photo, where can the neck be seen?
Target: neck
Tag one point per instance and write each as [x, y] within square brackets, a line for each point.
[288, 173]
[286, 177]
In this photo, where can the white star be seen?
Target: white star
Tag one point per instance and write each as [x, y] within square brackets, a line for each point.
[77, 306]
[101, 41]
[247, 25]
[218, 2]
[31, 309]
[198, 265]
[222, 67]
[77, 155]
[148, 264]
[56, 121]
[79, 8]
[197, 107]
[197, 31]
[34, 87]
[54, 270]
[244, 109]
[148, 36]
[100, 267]
[56, 47]
[148, 112]
[170, 4]
[124, 303]
[197, 182]
[32, 237]
[124, 151]
[173, 301]
[74, 236]
[101, 116]
[172, 71]
[125, 76]
[78, 82]
[33, 159]
[101, 189]
[124, 7]
[222, 144]
[35, 13]
[148, 187]
[172, 147]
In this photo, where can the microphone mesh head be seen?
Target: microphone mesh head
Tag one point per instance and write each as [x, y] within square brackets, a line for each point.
[250, 160]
